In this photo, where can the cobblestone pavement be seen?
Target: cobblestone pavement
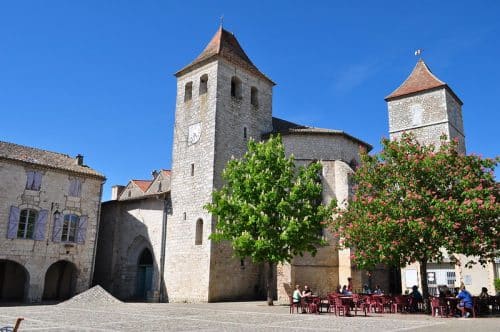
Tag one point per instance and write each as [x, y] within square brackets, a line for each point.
[230, 316]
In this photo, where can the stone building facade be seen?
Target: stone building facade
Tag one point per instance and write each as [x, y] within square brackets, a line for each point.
[49, 214]
[427, 107]
[131, 247]
[223, 100]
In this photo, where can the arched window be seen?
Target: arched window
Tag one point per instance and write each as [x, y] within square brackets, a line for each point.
[254, 96]
[203, 84]
[70, 224]
[199, 232]
[235, 87]
[188, 91]
[27, 219]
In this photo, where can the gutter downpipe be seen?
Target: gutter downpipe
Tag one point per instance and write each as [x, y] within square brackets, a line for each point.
[96, 235]
[163, 293]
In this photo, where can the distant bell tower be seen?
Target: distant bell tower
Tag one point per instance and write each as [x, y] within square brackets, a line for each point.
[427, 107]
[222, 101]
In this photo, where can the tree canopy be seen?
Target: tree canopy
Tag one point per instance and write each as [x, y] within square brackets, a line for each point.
[269, 209]
[412, 200]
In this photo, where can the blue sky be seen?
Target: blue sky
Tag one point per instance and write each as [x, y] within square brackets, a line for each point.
[96, 77]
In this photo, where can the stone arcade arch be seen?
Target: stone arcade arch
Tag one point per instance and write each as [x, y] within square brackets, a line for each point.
[14, 281]
[60, 281]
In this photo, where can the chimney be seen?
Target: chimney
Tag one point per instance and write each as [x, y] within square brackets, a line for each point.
[79, 160]
[154, 173]
[116, 191]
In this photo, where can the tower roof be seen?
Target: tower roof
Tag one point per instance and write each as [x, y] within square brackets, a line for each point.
[225, 45]
[421, 79]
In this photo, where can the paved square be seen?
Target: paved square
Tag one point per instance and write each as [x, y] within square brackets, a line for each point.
[230, 316]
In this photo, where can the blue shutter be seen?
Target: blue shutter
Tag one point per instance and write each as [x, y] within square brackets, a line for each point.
[72, 184]
[30, 175]
[78, 188]
[81, 230]
[37, 181]
[13, 222]
[57, 230]
[40, 223]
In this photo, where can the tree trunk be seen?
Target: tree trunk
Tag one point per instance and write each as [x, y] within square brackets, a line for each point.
[425, 286]
[269, 283]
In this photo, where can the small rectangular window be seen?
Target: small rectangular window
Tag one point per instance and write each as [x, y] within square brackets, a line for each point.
[245, 132]
[192, 169]
[33, 180]
[188, 91]
[203, 84]
[254, 96]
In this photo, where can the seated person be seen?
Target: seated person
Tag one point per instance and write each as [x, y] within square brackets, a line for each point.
[484, 305]
[484, 293]
[297, 294]
[366, 289]
[415, 298]
[307, 292]
[339, 289]
[378, 290]
[465, 301]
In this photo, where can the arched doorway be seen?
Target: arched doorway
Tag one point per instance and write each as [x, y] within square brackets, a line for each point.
[144, 274]
[60, 281]
[14, 281]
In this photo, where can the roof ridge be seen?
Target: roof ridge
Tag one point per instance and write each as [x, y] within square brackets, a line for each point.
[33, 148]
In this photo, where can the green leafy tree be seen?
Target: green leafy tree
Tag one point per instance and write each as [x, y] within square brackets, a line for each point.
[412, 200]
[268, 209]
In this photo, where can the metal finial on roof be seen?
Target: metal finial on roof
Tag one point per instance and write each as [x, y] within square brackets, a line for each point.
[418, 52]
[222, 21]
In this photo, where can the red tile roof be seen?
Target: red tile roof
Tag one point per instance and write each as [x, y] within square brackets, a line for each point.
[420, 79]
[225, 45]
[142, 184]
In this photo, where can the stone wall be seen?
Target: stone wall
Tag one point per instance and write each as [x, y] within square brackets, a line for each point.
[38, 256]
[126, 229]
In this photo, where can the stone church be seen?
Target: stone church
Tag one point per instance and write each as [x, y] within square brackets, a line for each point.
[153, 242]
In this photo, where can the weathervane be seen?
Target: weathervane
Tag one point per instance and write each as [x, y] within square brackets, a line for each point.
[222, 21]
[419, 52]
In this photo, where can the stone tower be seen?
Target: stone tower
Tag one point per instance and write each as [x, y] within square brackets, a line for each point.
[222, 101]
[426, 106]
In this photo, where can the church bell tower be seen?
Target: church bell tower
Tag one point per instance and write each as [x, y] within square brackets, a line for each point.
[222, 101]
[427, 107]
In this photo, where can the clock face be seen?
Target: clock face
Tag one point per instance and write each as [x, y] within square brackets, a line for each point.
[194, 133]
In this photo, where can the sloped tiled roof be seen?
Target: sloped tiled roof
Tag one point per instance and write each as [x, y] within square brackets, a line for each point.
[420, 79]
[45, 158]
[225, 45]
[142, 184]
[284, 127]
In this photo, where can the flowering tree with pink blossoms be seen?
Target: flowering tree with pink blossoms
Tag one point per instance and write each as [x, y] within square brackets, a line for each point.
[412, 200]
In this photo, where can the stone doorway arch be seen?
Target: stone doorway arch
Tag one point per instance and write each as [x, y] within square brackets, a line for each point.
[145, 271]
[14, 281]
[60, 281]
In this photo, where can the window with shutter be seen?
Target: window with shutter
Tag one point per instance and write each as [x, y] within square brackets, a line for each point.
[56, 231]
[75, 186]
[40, 223]
[81, 230]
[13, 222]
[33, 180]
[26, 226]
[69, 226]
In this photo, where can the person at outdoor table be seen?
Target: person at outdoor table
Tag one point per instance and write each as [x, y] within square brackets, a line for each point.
[366, 289]
[339, 289]
[465, 300]
[378, 290]
[297, 294]
[484, 293]
[346, 291]
[349, 284]
[307, 292]
[415, 298]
